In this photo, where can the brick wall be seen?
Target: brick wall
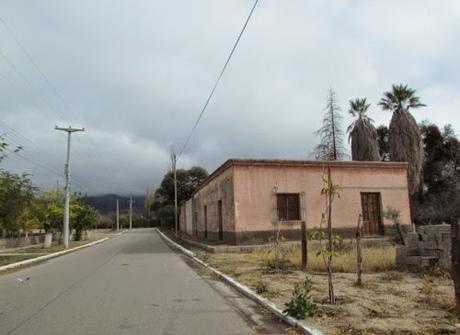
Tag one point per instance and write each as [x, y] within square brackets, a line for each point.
[429, 246]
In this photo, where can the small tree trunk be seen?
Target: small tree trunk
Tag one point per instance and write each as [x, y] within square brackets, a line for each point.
[304, 246]
[455, 235]
[359, 252]
[48, 240]
[399, 230]
[329, 236]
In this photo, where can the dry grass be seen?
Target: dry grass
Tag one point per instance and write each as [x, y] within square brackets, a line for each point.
[376, 259]
[5, 260]
[55, 247]
[389, 302]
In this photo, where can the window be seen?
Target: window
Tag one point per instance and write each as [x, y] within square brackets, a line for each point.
[288, 206]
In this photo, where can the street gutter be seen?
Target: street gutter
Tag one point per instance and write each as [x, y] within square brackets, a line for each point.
[49, 256]
[244, 290]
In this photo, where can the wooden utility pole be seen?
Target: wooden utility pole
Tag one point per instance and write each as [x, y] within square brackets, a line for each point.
[455, 236]
[359, 251]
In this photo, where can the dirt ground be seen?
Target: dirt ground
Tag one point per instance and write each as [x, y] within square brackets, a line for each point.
[390, 302]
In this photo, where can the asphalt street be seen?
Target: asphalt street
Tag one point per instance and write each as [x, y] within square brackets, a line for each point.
[130, 284]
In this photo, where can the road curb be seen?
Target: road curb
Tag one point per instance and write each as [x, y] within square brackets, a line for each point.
[244, 290]
[49, 256]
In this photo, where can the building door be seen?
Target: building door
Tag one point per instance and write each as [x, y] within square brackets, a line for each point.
[205, 222]
[372, 215]
[221, 223]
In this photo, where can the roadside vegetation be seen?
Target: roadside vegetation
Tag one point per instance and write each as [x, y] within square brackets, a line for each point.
[162, 200]
[25, 209]
[381, 300]
[389, 302]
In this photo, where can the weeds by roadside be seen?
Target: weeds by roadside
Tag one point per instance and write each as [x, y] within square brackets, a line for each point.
[301, 304]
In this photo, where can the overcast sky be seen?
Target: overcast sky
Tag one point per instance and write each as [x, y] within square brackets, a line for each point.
[135, 74]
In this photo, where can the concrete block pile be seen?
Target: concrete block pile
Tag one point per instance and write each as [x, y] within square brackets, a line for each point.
[429, 246]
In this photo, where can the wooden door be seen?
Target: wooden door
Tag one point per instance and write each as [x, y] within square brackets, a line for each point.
[221, 223]
[372, 215]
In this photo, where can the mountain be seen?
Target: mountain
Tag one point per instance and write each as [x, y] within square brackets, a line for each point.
[107, 203]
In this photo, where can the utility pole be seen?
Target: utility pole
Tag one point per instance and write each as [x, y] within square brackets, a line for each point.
[65, 230]
[118, 217]
[131, 213]
[173, 165]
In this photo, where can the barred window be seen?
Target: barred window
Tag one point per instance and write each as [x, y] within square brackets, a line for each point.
[288, 206]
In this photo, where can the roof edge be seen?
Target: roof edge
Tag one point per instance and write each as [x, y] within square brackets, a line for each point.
[296, 163]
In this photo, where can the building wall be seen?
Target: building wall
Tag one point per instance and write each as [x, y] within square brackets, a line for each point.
[255, 197]
[182, 217]
[189, 217]
[219, 188]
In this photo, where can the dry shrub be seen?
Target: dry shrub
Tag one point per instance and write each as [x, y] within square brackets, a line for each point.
[431, 296]
[392, 276]
[375, 259]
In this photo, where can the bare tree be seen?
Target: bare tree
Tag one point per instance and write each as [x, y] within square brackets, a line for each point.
[362, 133]
[331, 133]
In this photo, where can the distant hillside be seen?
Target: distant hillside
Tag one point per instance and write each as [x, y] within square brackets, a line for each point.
[106, 204]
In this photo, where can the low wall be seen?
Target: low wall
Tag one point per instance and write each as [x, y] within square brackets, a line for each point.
[427, 247]
[25, 241]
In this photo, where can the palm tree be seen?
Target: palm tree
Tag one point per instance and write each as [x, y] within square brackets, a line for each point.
[362, 133]
[404, 140]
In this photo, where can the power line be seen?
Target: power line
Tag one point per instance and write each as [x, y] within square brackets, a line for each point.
[26, 80]
[17, 139]
[218, 80]
[29, 57]
[46, 79]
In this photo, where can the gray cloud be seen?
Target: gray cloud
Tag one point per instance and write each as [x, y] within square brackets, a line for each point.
[136, 74]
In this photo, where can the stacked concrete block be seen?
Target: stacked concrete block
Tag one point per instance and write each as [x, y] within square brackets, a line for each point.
[429, 246]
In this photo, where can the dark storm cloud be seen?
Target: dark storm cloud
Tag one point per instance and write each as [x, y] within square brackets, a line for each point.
[136, 74]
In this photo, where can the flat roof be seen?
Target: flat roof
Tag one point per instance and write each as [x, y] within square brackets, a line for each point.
[298, 163]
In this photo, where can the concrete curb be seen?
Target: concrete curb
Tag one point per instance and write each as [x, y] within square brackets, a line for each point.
[245, 290]
[49, 256]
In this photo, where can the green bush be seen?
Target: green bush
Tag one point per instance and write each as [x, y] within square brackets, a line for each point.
[300, 304]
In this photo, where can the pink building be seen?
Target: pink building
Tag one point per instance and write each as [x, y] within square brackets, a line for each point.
[243, 200]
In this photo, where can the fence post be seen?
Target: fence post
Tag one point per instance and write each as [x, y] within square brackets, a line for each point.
[359, 252]
[455, 236]
[304, 246]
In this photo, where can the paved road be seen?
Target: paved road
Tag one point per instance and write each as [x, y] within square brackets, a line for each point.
[130, 284]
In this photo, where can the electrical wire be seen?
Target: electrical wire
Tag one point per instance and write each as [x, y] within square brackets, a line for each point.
[217, 81]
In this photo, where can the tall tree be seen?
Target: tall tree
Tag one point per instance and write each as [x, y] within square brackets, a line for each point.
[439, 197]
[362, 133]
[404, 140]
[4, 149]
[382, 137]
[187, 182]
[16, 194]
[331, 133]
[148, 201]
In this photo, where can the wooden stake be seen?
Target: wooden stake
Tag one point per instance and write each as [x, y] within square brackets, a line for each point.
[359, 251]
[455, 236]
[304, 246]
